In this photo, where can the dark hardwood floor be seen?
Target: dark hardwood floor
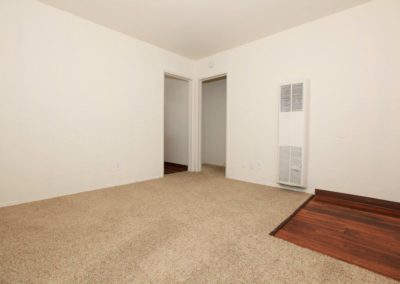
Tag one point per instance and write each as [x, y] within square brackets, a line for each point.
[171, 168]
[343, 227]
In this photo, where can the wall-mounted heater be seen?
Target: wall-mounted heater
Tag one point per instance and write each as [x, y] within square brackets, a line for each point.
[293, 112]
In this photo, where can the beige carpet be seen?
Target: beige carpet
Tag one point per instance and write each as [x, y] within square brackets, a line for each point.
[186, 227]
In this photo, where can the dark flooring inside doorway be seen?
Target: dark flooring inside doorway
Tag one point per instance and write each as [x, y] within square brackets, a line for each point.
[171, 168]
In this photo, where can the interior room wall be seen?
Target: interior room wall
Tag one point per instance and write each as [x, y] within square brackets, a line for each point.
[81, 106]
[176, 121]
[351, 60]
[214, 122]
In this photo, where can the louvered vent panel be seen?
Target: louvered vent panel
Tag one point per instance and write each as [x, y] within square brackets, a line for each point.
[292, 134]
[297, 97]
[295, 165]
[284, 163]
[286, 98]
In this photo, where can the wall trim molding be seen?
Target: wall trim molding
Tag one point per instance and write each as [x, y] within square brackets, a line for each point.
[29, 200]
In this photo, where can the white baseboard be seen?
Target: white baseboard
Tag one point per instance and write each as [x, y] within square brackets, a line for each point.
[273, 184]
[29, 200]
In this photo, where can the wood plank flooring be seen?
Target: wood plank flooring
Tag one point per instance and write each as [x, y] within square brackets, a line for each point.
[368, 239]
[171, 168]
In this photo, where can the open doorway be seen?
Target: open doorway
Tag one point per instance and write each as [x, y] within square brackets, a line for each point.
[176, 124]
[213, 122]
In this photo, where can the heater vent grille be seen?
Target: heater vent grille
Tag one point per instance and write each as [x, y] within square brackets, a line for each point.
[284, 164]
[292, 134]
[297, 97]
[286, 98]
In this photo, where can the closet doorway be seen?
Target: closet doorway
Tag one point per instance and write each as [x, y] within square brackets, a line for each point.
[213, 122]
[176, 124]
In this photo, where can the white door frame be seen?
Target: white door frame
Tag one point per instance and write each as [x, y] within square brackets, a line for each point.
[195, 124]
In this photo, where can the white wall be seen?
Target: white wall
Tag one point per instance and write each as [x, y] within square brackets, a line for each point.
[81, 106]
[214, 122]
[352, 60]
[176, 121]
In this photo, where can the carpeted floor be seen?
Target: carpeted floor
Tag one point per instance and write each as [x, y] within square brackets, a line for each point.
[186, 227]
